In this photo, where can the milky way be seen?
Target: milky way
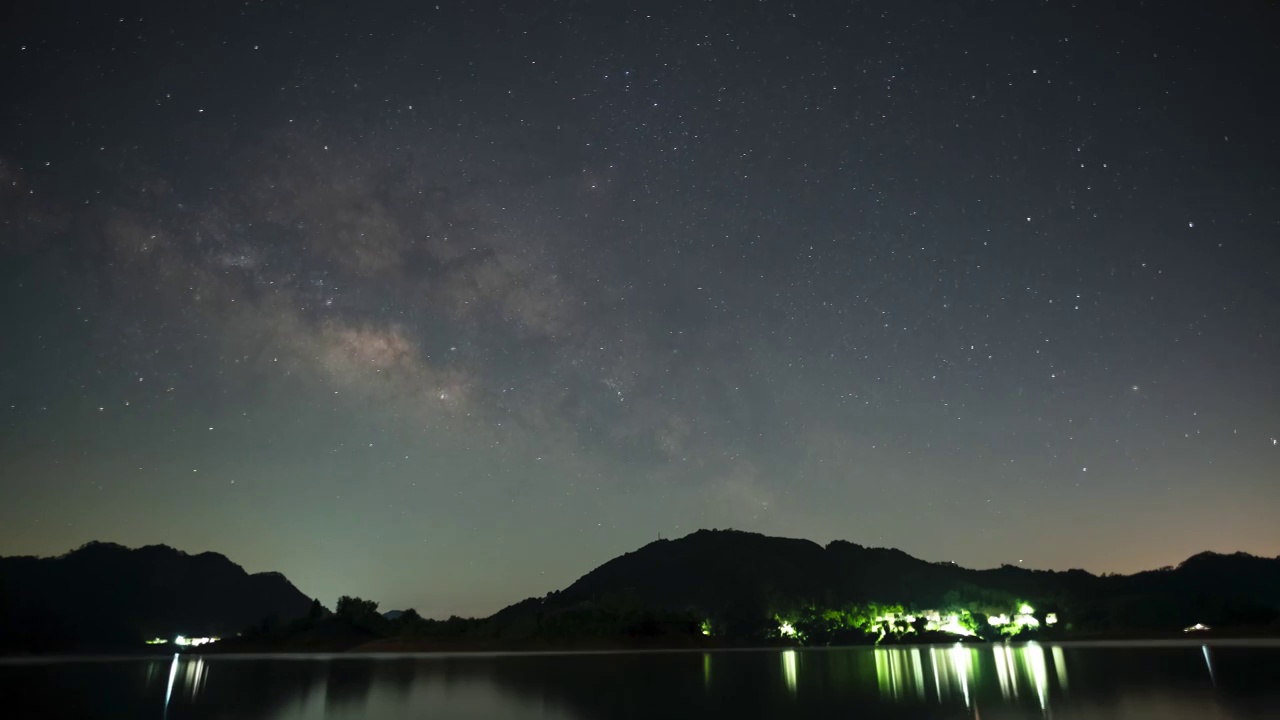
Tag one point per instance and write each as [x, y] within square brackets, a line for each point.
[445, 305]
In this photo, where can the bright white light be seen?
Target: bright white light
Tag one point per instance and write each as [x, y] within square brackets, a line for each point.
[1196, 628]
[193, 642]
[1051, 619]
[998, 620]
[953, 626]
[168, 692]
[789, 669]
[1026, 609]
[786, 630]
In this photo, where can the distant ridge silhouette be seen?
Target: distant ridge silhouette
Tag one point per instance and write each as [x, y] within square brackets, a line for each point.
[740, 581]
[107, 596]
[712, 586]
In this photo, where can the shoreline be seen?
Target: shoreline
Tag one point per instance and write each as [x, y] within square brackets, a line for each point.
[382, 649]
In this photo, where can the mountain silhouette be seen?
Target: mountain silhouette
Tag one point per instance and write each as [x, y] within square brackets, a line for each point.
[717, 586]
[742, 582]
[106, 596]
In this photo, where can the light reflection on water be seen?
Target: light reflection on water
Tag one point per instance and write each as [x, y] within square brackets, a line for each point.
[992, 681]
[1060, 666]
[195, 675]
[901, 672]
[790, 669]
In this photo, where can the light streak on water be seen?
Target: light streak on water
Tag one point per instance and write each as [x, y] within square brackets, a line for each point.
[168, 692]
[960, 664]
[937, 684]
[918, 667]
[1033, 655]
[1013, 670]
[900, 673]
[789, 663]
[1209, 664]
[1002, 670]
[1060, 667]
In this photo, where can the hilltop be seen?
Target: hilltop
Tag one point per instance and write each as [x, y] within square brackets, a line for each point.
[712, 587]
[744, 586]
[104, 596]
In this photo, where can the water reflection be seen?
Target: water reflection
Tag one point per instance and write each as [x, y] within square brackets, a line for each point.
[168, 692]
[1060, 666]
[194, 675]
[1005, 681]
[790, 669]
[1033, 657]
[901, 672]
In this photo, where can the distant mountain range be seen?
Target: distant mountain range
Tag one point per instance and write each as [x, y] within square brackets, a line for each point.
[744, 584]
[107, 596]
[713, 586]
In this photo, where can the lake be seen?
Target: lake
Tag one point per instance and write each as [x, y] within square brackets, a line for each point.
[1168, 681]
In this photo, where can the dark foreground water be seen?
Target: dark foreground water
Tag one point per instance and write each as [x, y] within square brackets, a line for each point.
[1017, 681]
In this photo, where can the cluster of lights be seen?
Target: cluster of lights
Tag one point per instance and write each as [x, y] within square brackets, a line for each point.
[1021, 621]
[959, 624]
[193, 642]
[948, 624]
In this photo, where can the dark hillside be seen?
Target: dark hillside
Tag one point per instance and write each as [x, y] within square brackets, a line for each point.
[106, 596]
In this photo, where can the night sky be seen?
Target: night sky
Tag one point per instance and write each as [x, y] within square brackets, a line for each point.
[446, 304]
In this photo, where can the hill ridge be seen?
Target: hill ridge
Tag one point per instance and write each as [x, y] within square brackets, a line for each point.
[106, 595]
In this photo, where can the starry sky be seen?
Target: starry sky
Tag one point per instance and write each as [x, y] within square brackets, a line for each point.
[446, 304]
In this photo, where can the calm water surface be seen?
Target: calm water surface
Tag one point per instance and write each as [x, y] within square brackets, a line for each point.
[1015, 681]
